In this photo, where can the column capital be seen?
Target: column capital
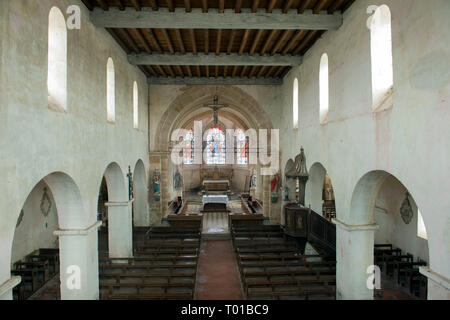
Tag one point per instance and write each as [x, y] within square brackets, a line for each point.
[435, 277]
[77, 232]
[9, 284]
[119, 203]
[359, 227]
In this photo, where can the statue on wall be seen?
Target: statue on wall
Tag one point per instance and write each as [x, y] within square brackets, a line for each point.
[253, 179]
[177, 180]
[157, 184]
[274, 187]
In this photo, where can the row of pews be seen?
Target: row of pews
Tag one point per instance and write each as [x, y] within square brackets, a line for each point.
[164, 266]
[401, 268]
[272, 267]
[36, 269]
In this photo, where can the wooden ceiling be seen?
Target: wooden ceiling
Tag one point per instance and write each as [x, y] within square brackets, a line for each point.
[247, 55]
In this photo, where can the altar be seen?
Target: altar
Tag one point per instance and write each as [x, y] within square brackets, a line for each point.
[215, 203]
[216, 185]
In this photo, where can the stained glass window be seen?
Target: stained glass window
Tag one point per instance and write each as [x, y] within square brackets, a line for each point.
[188, 147]
[215, 146]
[242, 147]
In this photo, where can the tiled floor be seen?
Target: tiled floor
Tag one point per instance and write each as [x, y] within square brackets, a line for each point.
[218, 276]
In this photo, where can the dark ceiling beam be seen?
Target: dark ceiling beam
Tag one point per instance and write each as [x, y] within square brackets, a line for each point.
[202, 59]
[163, 19]
[214, 81]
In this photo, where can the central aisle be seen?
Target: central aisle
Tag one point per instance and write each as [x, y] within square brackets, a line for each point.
[218, 276]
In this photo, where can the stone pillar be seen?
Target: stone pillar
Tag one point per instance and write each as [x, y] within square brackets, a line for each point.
[154, 206]
[266, 195]
[438, 285]
[259, 183]
[7, 287]
[120, 229]
[165, 183]
[78, 255]
[354, 254]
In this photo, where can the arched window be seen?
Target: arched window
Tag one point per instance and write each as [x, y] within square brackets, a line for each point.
[215, 146]
[188, 147]
[135, 105]
[323, 88]
[381, 55]
[242, 147]
[57, 60]
[110, 91]
[421, 230]
[295, 104]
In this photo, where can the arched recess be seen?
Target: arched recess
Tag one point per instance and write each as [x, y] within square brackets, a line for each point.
[319, 191]
[361, 227]
[119, 211]
[314, 187]
[115, 182]
[194, 98]
[73, 231]
[140, 205]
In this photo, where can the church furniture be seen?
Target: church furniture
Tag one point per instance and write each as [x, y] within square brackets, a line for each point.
[164, 266]
[215, 203]
[389, 262]
[403, 269]
[182, 220]
[296, 218]
[272, 267]
[250, 205]
[216, 185]
[216, 179]
[236, 220]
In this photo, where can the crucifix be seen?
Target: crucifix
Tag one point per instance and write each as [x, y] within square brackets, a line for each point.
[216, 106]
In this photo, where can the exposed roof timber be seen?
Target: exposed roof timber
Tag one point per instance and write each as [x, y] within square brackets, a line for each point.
[202, 59]
[214, 81]
[180, 19]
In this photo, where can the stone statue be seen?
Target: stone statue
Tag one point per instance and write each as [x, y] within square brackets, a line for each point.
[156, 184]
[177, 180]
[275, 183]
[253, 179]
[274, 186]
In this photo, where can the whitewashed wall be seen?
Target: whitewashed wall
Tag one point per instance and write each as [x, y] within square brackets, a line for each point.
[36, 141]
[409, 141]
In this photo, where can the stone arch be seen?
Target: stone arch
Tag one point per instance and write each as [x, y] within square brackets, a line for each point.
[115, 182]
[67, 198]
[194, 97]
[314, 186]
[140, 188]
[73, 232]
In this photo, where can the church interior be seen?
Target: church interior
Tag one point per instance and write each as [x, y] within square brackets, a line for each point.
[225, 150]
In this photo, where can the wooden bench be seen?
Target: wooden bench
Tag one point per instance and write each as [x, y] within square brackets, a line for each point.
[186, 221]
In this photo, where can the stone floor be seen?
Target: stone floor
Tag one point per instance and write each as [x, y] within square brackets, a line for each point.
[218, 275]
